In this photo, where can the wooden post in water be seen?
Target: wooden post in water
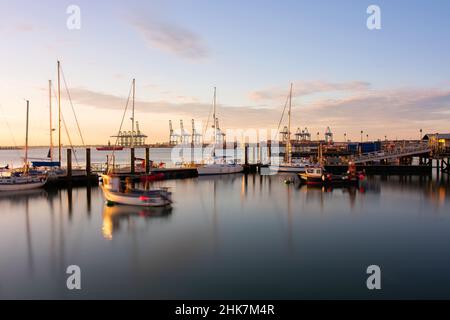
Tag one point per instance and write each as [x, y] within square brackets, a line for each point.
[69, 163]
[235, 152]
[132, 160]
[246, 154]
[88, 162]
[147, 160]
[269, 151]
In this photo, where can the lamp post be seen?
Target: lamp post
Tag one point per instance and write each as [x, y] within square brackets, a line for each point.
[420, 136]
[345, 137]
[367, 136]
[362, 135]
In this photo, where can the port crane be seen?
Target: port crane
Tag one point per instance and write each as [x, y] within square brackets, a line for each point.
[220, 136]
[184, 135]
[299, 135]
[174, 137]
[196, 137]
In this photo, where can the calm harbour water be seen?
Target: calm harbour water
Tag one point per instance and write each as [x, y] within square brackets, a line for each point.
[239, 236]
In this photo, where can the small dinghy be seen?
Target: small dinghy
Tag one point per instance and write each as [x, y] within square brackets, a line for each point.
[113, 192]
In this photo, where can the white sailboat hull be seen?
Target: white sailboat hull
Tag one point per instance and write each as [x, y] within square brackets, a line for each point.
[12, 186]
[212, 169]
[288, 168]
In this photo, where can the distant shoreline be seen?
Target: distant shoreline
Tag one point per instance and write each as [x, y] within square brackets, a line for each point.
[157, 145]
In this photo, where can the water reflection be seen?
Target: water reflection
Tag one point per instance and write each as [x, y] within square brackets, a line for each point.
[115, 216]
[225, 235]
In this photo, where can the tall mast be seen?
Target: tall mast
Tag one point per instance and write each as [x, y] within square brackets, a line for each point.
[51, 126]
[59, 114]
[132, 114]
[288, 151]
[214, 117]
[26, 138]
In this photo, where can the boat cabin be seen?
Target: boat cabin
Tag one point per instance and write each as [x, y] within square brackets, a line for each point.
[314, 172]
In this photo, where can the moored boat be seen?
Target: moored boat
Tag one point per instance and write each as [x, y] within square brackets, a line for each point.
[16, 181]
[19, 183]
[114, 193]
[109, 148]
[297, 167]
[319, 176]
[219, 168]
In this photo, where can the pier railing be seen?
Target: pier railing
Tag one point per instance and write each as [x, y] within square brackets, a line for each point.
[392, 154]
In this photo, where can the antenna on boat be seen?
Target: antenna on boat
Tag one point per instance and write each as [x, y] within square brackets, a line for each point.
[59, 112]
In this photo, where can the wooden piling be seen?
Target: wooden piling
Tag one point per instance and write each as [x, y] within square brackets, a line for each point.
[69, 163]
[246, 154]
[88, 162]
[269, 152]
[147, 160]
[132, 160]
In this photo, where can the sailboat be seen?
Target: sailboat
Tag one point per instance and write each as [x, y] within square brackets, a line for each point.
[17, 181]
[50, 166]
[49, 163]
[217, 167]
[114, 191]
[288, 165]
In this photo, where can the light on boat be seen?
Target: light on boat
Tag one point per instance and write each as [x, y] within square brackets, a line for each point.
[144, 198]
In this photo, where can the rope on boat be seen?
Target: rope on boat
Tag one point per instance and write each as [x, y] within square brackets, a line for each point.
[66, 129]
[121, 123]
[71, 104]
[282, 115]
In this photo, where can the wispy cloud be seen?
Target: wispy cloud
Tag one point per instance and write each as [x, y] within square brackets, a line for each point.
[169, 37]
[302, 88]
[24, 27]
[400, 111]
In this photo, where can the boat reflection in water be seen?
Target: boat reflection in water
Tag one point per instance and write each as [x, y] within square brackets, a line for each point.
[114, 216]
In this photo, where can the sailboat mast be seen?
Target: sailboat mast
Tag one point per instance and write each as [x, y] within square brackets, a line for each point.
[214, 117]
[132, 114]
[59, 114]
[26, 138]
[51, 125]
[288, 151]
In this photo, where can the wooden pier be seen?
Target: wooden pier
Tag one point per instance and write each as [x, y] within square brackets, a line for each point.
[376, 163]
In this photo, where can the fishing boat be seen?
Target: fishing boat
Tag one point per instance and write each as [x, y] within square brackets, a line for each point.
[17, 181]
[128, 195]
[109, 147]
[116, 192]
[319, 176]
[216, 167]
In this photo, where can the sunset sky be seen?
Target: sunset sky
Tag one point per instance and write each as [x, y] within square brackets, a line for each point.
[391, 82]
